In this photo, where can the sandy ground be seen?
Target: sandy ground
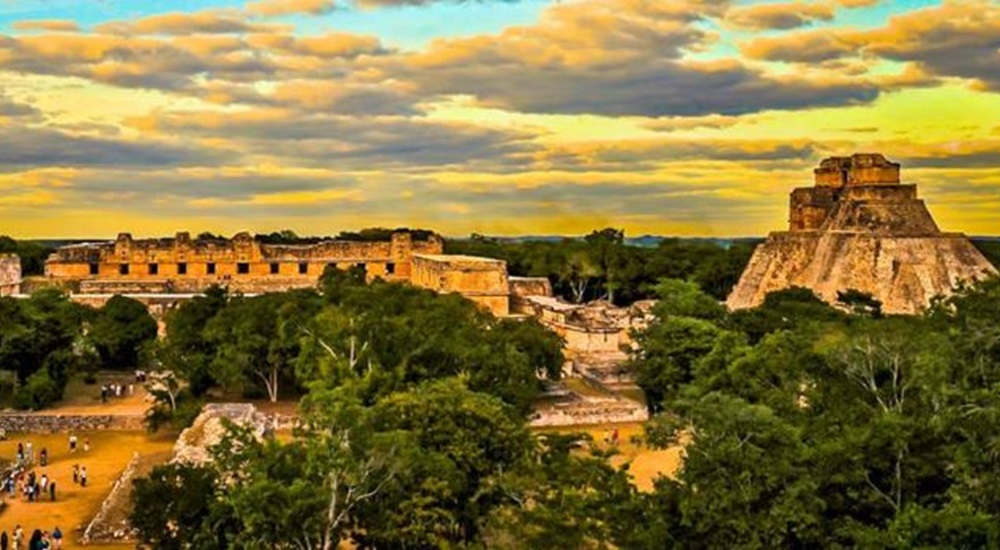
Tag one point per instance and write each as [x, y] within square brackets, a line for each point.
[74, 505]
[83, 399]
[646, 463]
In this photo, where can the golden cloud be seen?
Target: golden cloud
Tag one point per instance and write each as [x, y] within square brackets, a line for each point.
[271, 8]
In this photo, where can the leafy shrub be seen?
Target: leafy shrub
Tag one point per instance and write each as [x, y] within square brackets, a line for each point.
[39, 391]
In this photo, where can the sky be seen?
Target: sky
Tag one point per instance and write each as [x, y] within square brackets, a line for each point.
[499, 117]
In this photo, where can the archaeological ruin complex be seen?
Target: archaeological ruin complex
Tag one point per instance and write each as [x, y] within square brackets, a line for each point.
[185, 265]
[860, 228]
[162, 272]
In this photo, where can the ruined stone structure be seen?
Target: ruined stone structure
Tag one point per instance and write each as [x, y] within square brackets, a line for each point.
[594, 328]
[859, 228]
[10, 274]
[186, 265]
[482, 280]
[194, 444]
[163, 272]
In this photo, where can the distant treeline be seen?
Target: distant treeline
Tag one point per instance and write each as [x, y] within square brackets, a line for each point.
[603, 265]
[32, 253]
[990, 247]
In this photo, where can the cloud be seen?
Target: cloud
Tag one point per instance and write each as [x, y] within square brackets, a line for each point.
[311, 139]
[178, 23]
[788, 15]
[38, 147]
[10, 109]
[273, 8]
[53, 25]
[613, 57]
[811, 46]
[960, 38]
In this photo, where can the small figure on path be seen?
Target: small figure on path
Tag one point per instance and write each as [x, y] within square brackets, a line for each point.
[86, 445]
[57, 537]
[52, 491]
[28, 452]
[18, 537]
[4, 541]
[104, 393]
[76, 473]
[44, 482]
[72, 443]
[83, 476]
[43, 457]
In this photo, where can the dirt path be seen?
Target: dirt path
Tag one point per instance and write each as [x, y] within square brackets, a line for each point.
[74, 505]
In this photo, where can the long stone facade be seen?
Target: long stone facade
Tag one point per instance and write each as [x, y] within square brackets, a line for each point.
[860, 228]
[162, 273]
[185, 265]
[482, 280]
[10, 274]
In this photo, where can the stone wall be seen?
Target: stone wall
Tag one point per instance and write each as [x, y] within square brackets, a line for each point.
[482, 280]
[857, 169]
[102, 528]
[10, 274]
[185, 265]
[590, 411]
[48, 423]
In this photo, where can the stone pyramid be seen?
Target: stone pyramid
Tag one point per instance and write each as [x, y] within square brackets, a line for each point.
[859, 228]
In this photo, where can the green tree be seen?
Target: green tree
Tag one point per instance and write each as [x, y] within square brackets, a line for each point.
[120, 331]
[175, 505]
[257, 339]
[186, 350]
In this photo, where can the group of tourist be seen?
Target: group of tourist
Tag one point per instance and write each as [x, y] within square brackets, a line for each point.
[115, 389]
[32, 487]
[40, 540]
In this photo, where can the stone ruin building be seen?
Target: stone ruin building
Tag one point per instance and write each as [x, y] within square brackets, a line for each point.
[10, 274]
[163, 272]
[859, 228]
[185, 265]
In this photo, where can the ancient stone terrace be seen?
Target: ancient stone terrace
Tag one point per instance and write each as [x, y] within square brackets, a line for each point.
[185, 265]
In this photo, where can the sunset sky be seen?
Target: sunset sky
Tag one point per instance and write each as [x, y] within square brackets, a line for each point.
[671, 117]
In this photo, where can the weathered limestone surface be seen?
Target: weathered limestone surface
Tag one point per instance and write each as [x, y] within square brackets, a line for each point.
[10, 274]
[186, 265]
[861, 230]
[482, 280]
[194, 444]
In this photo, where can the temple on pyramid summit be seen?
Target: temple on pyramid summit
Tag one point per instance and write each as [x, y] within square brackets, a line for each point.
[859, 228]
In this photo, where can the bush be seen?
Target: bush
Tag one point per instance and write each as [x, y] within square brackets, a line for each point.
[39, 391]
[160, 416]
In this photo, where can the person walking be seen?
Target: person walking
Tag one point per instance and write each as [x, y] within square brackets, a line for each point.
[83, 476]
[72, 443]
[52, 491]
[76, 473]
[57, 537]
[18, 537]
[4, 541]
[86, 445]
